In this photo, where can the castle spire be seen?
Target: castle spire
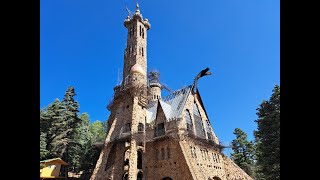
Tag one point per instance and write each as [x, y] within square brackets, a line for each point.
[135, 56]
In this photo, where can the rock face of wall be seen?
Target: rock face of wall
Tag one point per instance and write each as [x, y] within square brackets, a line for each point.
[178, 158]
[155, 138]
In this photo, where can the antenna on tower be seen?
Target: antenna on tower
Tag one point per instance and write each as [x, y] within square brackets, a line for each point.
[129, 12]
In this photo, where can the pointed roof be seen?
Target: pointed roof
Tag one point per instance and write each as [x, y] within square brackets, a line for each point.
[172, 105]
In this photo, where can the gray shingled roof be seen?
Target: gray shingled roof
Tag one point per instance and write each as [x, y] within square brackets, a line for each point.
[172, 105]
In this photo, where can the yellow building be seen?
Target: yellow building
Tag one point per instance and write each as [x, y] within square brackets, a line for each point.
[54, 168]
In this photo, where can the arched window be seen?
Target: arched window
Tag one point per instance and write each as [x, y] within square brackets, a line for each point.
[216, 178]
[208, 128]
[189, 121]
[139, 164]
[126, 157]
[143, 33]
[127, 128]
[142, 52]
[139, 176]
[157, 154]
[162, 153]
[126, 162]
[166, 178]
[140, 30]
[125, 176]
[198, 122]
[160, 129]
[168, 152]
[140, 127]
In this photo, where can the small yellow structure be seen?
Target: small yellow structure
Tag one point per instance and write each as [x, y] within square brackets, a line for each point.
[54, 169]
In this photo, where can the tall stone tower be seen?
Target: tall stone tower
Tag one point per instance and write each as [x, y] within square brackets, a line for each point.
[158, 138]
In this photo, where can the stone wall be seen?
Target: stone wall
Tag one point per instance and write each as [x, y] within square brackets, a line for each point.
[234, 172]
[164, 158]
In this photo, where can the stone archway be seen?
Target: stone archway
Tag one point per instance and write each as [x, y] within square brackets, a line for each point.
[167, 178]
[216, 178]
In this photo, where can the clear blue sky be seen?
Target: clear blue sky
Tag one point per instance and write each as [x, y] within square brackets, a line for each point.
[82, 44]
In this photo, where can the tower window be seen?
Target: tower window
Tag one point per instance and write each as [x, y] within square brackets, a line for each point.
[125, 176]
[131, 32]
[140, 30]
[139, 176]
[126, 162]
[143, 33]
[162, 153]
[157, 154]
[139, 164]
[189, 121]
[168, 152]
[127, 128]
[140, 127]
[160, 129]
[134, 30]
[142, 52]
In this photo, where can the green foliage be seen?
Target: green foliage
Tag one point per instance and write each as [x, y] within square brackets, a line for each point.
[42, 166]
[243, 151]
[98, 134]
[43, 146]
[65, 134]
[268, 137]
[98, 131]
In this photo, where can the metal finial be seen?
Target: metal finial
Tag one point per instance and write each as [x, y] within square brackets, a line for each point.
[137, 8]
[129, 12]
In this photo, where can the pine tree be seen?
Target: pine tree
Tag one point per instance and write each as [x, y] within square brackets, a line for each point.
[243, 150]
[49, 118]
[43, 146]
[97, 134]
[82, 145]
[268, 137]
[56, 136]
[71, 120]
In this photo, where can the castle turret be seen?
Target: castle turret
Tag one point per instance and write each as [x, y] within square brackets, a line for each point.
[155, 86]
[135, 55]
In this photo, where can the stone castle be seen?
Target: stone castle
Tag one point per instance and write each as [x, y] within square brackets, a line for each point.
[151, 137]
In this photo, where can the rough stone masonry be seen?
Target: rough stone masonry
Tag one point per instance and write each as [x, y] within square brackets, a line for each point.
[158, 138]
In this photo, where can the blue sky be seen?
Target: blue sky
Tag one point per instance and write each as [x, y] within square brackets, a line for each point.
[82, 44]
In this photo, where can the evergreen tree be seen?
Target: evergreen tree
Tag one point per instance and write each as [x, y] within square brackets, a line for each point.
[49, 118]
[243, 150]
[66, 135]
[69, 139]
[64, 143]
[268, 137]
[98, 131]
[43, 146]
[97, 134]
[56, 136]
[82, 145]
